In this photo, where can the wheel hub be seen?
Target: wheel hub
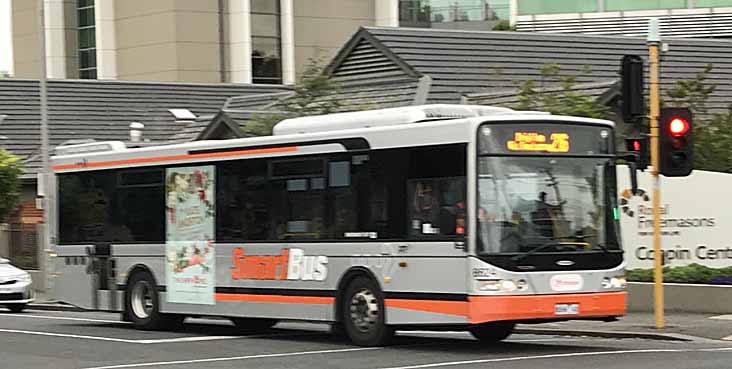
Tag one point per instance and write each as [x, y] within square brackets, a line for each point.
[364, 310]
[142, 300]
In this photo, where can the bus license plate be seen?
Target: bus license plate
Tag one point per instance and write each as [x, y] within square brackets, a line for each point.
[566, 309]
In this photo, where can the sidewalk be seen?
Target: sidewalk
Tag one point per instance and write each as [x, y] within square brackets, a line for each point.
[678, 326]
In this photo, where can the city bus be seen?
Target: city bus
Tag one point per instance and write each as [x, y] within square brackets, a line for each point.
[423, 217]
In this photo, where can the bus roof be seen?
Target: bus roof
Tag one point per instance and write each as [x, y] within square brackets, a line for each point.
[384, 128]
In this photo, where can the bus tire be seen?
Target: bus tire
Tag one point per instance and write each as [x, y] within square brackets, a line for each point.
[253, 324]
[142, 304]
[493, 331]
[364, 314]
[15, 308]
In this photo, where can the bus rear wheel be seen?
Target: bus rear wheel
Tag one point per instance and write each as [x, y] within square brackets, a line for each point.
[15, 308]
[493, 331]
[363, 314]
[142, 305]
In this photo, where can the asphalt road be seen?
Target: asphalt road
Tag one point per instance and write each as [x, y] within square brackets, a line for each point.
[51, 339]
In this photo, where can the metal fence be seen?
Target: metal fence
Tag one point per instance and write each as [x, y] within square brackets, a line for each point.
[23, 245]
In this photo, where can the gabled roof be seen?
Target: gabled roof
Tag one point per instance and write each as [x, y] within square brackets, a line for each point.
[255, 102]
[605, 92]
[225, 124]
[465, 62]
[103, 110]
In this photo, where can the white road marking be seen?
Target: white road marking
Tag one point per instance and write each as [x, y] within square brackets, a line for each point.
[148, 341]
[189, 339]
[550, 356]
[722, 317]
[232, 358]
[65, 318]
[67, 335]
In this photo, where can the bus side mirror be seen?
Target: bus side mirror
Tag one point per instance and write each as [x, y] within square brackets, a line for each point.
[631, 159]
[633, 177]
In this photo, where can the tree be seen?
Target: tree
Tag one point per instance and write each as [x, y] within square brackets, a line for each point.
[504, 25]
[713, 143]
[10, 171]
[712, 132]
[561, 97]
[314, 94]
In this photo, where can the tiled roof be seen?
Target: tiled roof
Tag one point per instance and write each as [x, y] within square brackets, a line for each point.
[509, 97]
[467, 62]
[103, 110]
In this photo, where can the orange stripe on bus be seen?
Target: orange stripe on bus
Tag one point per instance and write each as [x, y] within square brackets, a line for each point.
[321, 300]
[220, 154]
[481, 309]
[430, 306]
[494, 308]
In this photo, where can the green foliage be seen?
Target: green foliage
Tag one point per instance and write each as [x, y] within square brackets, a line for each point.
[692, 93]
[504, 25]
[692, 273]
[314, 94]
[713, 143]
[712, 133]
[561, 100]
[10, 171]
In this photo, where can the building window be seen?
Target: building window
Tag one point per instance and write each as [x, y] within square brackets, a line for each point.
[528, 7]
[432, 13]
[87, 39]
[629, 5]
[266, 41]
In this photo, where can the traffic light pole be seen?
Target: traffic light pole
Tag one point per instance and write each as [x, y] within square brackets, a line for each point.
[653, 42]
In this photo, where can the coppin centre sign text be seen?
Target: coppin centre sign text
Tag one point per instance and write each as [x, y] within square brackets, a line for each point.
[696, 219]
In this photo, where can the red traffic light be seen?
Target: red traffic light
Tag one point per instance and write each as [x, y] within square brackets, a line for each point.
[678, 126]
[636, 145]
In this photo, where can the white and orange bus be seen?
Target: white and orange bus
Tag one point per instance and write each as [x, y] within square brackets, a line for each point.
[426, 217]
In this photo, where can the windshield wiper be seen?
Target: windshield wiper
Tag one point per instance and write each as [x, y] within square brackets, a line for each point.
[518, 258]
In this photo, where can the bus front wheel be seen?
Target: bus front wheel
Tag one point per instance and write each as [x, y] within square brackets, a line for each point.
[493, 331]
[142, 305]
[363, 316]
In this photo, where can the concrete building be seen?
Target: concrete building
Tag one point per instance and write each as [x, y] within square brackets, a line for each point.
[678, 18]
[241, 41]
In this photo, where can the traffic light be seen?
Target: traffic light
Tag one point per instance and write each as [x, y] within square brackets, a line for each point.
[676, 142]
[639, 146]
[633, 103]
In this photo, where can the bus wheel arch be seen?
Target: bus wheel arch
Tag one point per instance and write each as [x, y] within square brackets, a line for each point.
[361, 308]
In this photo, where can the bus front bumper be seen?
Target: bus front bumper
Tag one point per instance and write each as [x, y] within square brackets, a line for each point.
[484, 309]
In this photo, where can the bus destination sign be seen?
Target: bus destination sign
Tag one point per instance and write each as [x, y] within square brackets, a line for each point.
[542, 138]
[537, 142]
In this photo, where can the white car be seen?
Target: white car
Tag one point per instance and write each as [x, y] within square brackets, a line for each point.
[16, 287]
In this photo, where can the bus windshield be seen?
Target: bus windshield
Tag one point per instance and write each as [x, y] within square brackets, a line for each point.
[544, 203]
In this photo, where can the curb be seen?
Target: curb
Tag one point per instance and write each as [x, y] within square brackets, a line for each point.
[607, 334]
[51, 306]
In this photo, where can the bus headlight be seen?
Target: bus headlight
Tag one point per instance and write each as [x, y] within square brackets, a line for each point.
[502, 285]
[614, 282]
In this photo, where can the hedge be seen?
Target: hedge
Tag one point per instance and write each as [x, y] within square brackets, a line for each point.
[692, 273]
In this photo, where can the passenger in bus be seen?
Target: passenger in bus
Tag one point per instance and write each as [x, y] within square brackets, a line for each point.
[541, 216]
[453, 219]
[425, 209]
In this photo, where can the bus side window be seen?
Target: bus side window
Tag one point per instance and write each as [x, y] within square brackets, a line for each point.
[436, 190]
